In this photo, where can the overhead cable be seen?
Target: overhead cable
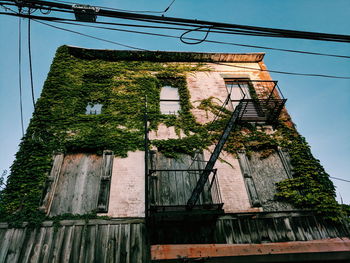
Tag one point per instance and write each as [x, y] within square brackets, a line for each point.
[72, 22]
[90, 36]
[285, 72]
[340, 179]
[20, 71]
[273, 71]
[30, 63]
[125, 10]
[254, 30]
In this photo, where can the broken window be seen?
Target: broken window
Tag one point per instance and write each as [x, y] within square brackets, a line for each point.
[169, 100]
[93, 109]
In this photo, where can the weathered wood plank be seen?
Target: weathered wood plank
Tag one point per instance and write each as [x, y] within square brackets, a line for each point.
[6, 242]
[51, 182]
[249, 181]
[58, 244]
[28, 245]
[266, 172]
[285, 159]
[76, 244]
[47, 244]
[106, 174]
[77, 188]
[15, 245]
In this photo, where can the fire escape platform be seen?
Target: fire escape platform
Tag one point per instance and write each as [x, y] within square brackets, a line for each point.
[261, 110]
[326, 250]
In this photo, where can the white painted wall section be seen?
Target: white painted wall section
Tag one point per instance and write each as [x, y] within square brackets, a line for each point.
[232, 188]
[127, 193]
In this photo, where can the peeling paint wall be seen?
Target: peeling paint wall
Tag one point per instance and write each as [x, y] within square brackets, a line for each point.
[266, 173]
[127, 192]
[233, 191]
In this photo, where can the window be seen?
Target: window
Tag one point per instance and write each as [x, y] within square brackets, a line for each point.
[80, 184]
[169, 100]
[93, 109]
[239, 89]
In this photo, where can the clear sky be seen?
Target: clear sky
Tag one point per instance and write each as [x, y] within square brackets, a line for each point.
[319, 106]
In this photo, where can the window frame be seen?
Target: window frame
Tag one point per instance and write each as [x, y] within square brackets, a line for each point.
[170, 100]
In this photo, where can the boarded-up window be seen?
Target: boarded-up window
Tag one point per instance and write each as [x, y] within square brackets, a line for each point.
[266, 172]
[169, 100]
[79, 185]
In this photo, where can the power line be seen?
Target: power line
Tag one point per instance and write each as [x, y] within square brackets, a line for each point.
[20, 71]
[90, 36]
[273, 71]
[71, 31]
[252, 30]
[340, 179]
[285, 72]
[72, 22]
[208, 41]
[125, 10]
[30, 64]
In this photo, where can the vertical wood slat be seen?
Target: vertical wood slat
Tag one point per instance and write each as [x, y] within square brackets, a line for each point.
[28, 245]
[51, 182]
[6, 244]
[249, 182]
[77, 187]
[285, 159]
[76, 241]
[106, 174]
[16, 245]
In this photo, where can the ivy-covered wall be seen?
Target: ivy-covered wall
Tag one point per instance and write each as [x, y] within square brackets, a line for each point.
[120, 82]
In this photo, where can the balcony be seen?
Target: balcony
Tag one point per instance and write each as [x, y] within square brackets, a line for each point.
[169, 191]
[262, 101]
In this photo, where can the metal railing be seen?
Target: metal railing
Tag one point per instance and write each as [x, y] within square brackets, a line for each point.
[261, 109]
[173, 188]
[264, 102]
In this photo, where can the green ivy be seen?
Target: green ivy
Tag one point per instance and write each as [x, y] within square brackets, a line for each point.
[120, 82]
[78, 77]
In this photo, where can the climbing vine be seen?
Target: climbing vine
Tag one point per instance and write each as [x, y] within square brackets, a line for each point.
[120, 82]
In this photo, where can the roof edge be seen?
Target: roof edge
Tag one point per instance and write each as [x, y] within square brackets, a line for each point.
[163, 56]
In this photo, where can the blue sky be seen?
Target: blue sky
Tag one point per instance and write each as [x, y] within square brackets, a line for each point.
[319, 106]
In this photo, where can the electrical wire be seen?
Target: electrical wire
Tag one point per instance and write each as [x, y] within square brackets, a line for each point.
[30, 63]
[272, 71]
[204, 40]
[183, 28]
[340, 179]
[90, 36]
[285, 72]
[252, 30]
[125, 10]
[182, 38]
[20, 71]
[72, 22]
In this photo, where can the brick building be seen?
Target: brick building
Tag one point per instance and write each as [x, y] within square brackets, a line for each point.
[138, 156]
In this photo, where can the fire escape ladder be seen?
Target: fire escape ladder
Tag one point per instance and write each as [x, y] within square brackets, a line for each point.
[236, 115]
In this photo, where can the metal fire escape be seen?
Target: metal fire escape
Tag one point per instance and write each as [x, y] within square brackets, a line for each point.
[175, 188]
[249, 110]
